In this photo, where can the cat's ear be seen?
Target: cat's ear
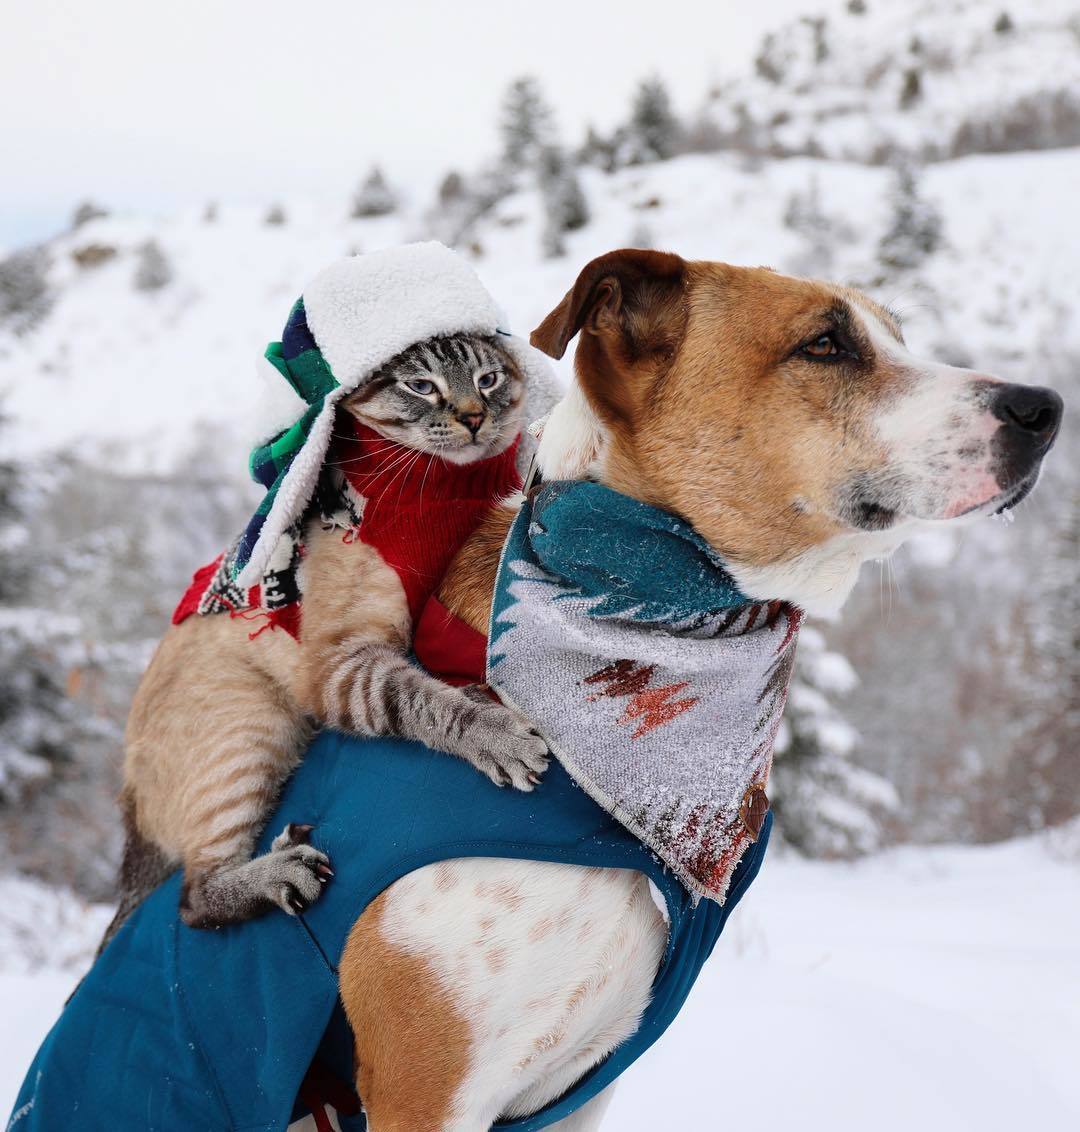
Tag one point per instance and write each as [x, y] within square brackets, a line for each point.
[632, 292]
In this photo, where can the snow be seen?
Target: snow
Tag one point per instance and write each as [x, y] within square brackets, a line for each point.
[835, 84]
[922, 988]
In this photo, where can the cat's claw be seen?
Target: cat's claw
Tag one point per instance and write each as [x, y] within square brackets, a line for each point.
[506, 747]
[294, 871]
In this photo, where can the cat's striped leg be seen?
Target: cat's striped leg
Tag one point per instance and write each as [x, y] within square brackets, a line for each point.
[371, 689]
[252, 742]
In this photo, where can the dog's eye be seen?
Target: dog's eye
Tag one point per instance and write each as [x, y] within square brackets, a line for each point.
[421, 385]
[488, 380]
[824, 346]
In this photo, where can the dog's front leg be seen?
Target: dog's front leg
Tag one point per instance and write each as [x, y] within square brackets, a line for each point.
[482, 988]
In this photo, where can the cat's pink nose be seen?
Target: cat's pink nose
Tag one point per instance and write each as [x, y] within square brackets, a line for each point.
[472, 421]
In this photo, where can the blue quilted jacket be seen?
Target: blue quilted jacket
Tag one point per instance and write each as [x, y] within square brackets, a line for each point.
[175, 1030]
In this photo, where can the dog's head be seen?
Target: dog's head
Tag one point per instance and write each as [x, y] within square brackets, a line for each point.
[784, 418]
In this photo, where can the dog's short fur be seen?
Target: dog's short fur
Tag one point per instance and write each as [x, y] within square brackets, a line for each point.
[787, 421]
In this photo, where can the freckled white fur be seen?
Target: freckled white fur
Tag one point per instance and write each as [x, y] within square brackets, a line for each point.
[550, 964]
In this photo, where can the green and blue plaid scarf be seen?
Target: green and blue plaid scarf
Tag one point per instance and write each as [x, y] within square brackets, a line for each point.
[299, 360]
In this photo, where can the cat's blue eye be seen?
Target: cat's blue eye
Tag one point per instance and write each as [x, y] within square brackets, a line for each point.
[422, 386]
[488, 380]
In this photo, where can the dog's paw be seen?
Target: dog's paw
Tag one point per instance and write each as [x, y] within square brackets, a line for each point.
[293, 873]
[506, 747]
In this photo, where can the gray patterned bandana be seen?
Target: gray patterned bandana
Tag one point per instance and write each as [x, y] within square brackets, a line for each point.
[657, 684]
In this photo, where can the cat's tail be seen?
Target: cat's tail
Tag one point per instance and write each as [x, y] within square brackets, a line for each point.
[142, 868]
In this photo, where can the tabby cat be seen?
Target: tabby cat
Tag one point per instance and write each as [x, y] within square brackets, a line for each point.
[225, 710]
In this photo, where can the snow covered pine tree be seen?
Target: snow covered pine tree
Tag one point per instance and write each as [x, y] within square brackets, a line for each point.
[565, 207]
[826, 805]
[38, 650]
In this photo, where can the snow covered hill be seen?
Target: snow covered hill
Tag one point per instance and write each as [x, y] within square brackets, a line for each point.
[925, 988]
[140, 378]
[934, 78]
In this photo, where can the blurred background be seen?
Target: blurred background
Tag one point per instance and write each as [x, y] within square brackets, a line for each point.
[171, 180]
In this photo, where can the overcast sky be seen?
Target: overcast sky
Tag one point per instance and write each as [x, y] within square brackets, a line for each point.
[150, 105]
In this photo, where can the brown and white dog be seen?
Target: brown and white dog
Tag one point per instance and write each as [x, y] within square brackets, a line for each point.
[787, 421]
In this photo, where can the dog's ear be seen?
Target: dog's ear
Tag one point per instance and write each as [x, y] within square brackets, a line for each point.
[630, 292]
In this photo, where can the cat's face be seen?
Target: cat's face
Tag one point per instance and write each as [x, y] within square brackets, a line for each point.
[460, 397]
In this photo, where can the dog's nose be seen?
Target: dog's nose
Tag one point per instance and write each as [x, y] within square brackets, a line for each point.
[1029, 412]
[472, 421]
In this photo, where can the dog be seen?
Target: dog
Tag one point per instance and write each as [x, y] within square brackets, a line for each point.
[786, 420]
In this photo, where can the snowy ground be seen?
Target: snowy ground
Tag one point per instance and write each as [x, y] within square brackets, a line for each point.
[926, 988]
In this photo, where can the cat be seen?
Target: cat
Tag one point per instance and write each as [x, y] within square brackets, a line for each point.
[225, 709]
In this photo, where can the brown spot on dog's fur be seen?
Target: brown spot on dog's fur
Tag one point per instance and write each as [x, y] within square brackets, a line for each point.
[504, 893]
[412, 1041]
[496, 958]
[541, 929]
[445, 879]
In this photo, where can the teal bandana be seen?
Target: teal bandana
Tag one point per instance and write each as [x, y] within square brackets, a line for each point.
[659, 686]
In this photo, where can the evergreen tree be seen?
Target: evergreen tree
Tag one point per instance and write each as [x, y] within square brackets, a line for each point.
[525, 124]
[152, 269]
[653, 132]
[25, 296]
[86, 212]
[460, 203]
[275, 216]
[452, 190]
[827, 806]
[916, 228]
[38, 721]
[598, 151]
[565, 207]
[910, 88]
[374, 197]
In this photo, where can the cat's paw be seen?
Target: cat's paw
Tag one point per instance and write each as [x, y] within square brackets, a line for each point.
[506, 747]
[293, 873]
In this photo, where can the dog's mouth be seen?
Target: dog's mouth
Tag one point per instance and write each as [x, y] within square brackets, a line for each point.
[1004, 501]
[1016, 494]
[867, 508]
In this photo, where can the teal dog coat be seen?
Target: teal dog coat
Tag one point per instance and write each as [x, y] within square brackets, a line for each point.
[179, 1030]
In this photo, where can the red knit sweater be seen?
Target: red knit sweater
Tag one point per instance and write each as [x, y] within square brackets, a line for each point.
[419, 510]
